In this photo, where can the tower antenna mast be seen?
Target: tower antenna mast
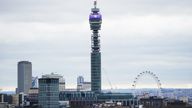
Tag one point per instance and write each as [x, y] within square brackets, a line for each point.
[95, 20]
[95, 3]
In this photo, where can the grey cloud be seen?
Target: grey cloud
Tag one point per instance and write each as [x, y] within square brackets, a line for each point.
[72, 10]
[136, 35]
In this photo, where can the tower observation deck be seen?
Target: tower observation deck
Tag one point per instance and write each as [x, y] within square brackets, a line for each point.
[95, 20]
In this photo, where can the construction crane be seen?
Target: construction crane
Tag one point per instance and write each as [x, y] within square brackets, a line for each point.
[108, 78]
[34, 81]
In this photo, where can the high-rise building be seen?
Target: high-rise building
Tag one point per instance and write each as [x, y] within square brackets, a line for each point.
[48, 93]
[95, 20]
[60, 77]
[24, 76]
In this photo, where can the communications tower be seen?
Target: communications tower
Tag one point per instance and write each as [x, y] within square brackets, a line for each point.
[95, 20]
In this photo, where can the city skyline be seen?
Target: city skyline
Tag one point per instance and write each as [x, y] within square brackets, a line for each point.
[136, 36]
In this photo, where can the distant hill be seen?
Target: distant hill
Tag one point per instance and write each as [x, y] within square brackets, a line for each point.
[7, 92]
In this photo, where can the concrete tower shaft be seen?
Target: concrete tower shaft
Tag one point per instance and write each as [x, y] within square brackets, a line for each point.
[95, 20]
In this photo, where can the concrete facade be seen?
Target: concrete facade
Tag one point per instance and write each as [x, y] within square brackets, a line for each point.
[24, 77]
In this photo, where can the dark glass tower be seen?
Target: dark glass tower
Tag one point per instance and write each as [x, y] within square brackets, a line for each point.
[48, 96]
[95, 20]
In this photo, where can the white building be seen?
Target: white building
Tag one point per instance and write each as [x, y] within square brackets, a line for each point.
[82, 85]
[184, 99]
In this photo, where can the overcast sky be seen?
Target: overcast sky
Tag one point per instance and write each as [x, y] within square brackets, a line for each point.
[136, 36]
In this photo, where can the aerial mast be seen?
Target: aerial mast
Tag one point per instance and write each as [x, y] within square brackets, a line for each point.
[95, 20]
[95, 3]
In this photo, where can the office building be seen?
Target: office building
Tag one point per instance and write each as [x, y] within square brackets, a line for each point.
[15, 99]
[22, 100]
[24, 77]
[82, 85]
[48, 93]
[3, 105]
[33, 96]
[6, 98]
[60, 77]
[152, 102]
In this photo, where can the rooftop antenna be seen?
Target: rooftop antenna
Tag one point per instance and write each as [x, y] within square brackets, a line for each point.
[95, 3]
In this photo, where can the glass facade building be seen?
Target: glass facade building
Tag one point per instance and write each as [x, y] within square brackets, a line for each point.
[48, 93]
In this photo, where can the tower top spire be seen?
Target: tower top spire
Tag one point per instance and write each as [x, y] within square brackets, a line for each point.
[95, 9]
[95, 3]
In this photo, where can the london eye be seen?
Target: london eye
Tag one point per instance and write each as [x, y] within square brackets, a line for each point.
[154, 76]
